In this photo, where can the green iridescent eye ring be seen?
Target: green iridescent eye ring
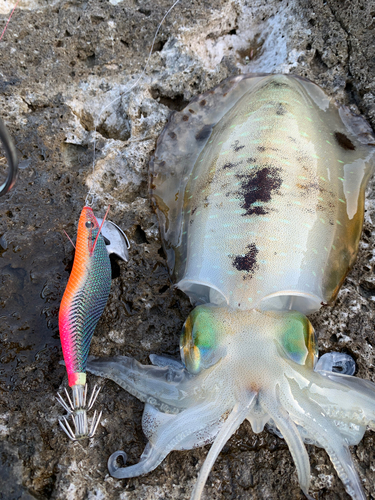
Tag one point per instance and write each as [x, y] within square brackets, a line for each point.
[298, 340]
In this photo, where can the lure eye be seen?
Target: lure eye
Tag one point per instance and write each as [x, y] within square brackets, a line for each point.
[89, 224]
[298, 339]
[199, 340]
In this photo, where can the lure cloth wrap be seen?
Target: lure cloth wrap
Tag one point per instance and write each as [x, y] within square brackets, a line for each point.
[85, 296]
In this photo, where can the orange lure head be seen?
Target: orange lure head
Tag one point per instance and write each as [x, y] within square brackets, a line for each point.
[88, 231]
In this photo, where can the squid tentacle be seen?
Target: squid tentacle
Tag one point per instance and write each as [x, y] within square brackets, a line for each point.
[292, 437]
[168, 437]
[162, 361]
[153, 420]
[150, 459]
[311, 416]
[345, 399]
[234, 420]
[162, 387]
[364, 393]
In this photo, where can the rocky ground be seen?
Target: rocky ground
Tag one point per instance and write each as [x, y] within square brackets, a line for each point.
[61, 63]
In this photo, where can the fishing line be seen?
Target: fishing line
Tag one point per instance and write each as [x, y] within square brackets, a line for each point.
[91, 194]
[9, 18]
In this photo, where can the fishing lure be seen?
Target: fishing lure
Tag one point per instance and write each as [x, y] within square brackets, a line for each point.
[259, 188]
[81, 307]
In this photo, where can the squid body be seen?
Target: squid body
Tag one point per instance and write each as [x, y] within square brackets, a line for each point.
[259, 189]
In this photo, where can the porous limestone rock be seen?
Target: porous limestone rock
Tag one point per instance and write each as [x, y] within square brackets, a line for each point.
[66, 68]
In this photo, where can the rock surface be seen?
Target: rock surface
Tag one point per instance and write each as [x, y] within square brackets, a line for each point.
[65, 69]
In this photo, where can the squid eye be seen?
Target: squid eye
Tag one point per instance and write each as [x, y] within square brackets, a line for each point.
[89, 224]
[298, 339]
[199, 340]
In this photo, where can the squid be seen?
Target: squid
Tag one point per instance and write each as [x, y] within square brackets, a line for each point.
[259, 187]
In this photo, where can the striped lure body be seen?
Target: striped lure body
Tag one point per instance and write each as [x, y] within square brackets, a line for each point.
[85, 296]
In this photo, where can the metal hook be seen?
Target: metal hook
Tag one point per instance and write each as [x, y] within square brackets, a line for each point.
[77, 410]
[90, 198]
[10, 153]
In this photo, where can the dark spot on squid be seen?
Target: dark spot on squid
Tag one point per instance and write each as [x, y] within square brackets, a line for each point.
[259, 187]
[162, 164]
[204, 133]
[261, 149]
[232, 165]
[236, 146]
[192, 111]
[248, 261]
[185, 118]
[251, 160]
[172, 135]
[344, 141]
[309, 186]
[274, 83]
[280, 110]
[203, 102]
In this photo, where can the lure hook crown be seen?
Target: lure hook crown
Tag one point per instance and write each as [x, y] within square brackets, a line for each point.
[77, 409]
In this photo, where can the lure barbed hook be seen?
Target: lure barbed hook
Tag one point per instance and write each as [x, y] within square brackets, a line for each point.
[77, 409]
